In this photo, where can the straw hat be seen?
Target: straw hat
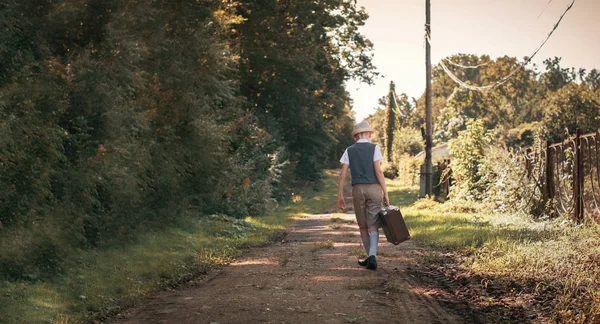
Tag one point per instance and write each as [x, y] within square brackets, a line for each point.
[361, 127]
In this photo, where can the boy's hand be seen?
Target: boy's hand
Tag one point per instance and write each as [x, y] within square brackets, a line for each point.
[341, 203]
[386, 199]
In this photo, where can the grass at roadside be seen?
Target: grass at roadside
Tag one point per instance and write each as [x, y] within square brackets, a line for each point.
[551, 257]
[97, 283]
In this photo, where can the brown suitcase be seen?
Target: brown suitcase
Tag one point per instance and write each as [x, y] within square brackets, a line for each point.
[393, 225]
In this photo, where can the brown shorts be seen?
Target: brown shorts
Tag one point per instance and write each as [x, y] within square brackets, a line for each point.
[367, 200]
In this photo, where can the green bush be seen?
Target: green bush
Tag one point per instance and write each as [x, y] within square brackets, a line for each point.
[509, 188]
[96, 144]
[390, 171]
[468, 151]
[494, 175]
[523, 135]
[407, 140]
[121, 124]
[504, 173]
[409, 168]
[32, 253]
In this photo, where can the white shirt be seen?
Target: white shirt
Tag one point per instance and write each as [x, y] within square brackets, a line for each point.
[376, 156]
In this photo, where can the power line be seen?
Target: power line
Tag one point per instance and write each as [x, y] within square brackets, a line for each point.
[462, 83]
[513, 72]
[541, 13]
[397, 105]
[467, 66]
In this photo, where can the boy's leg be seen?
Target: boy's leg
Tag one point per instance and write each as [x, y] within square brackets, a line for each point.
[373, 241]
[366, 241]
[360, 211]
[374, 199]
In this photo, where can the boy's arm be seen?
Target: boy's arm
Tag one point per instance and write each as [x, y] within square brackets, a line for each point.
[381, 179]
[341, 203]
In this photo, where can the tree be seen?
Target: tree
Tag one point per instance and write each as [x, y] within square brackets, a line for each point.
[555, 76]
[390, 121]
[117, 116]
[406, 110]
[461, 106]
[572, 107]
[295, 57]
[443, 86]
[505, 107]
[377, 122]
[593, 79]
[407, 140]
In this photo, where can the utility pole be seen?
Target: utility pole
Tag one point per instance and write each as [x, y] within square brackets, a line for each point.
[428, 164]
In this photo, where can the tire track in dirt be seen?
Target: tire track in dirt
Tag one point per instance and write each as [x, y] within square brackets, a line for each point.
[305, 279]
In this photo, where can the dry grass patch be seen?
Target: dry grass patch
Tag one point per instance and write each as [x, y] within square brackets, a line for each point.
[327, 245]
[342, 221]
[336, 226]
[359, 253]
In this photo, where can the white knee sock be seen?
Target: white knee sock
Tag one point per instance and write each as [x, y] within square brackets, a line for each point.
[373, 240]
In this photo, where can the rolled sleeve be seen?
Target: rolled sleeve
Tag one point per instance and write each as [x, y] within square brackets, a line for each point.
[377, 155]
[345, 159]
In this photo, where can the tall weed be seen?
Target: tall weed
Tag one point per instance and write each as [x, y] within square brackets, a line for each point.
[468, 150]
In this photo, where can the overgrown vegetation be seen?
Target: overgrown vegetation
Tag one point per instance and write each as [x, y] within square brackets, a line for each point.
[138, 137]
[468, 150]
[554, 261]
[97, 283]
[497, 224]
[120, 117]
[550, 103]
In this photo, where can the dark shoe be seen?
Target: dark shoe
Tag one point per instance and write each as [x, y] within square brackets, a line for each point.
[372, 263]
[363, 263]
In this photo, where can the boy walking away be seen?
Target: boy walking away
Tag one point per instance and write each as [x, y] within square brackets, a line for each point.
[368, 188]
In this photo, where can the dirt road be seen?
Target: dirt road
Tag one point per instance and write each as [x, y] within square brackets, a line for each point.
[310, 276]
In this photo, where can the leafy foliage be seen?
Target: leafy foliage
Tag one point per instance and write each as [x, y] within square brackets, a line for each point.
[116, 116]
[571, 107]
[508, 189]
[295, 57]
[394, 130]
[407, 140]
[468, 150]
[552, 103]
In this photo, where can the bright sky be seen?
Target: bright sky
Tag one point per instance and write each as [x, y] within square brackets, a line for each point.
[493, 27]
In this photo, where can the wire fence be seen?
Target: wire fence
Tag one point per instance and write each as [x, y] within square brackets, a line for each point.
[566, 176]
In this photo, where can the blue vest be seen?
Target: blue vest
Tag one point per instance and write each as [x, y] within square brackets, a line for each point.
[361, 163]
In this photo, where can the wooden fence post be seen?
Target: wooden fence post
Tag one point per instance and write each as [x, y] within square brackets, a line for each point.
[578, 179]
[528, 164]
[549, 173]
